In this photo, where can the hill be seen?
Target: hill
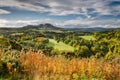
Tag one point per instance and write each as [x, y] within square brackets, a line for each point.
[48, 26]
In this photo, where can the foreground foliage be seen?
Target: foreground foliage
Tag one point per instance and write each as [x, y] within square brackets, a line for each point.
[37, 66]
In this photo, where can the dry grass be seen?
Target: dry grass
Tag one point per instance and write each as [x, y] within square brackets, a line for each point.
[41, 67]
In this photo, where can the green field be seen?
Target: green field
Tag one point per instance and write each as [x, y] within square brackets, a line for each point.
[60, 46]
[88, 37]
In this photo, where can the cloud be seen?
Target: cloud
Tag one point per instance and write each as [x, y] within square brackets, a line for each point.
[91, 9]
[18, 23]
[4, 11]
[3, 22]
[75, 23]
[21, 5]
[65, 7]
[91, 23]
[21, 23]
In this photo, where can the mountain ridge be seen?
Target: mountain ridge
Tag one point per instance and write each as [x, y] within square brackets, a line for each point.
[48, 26]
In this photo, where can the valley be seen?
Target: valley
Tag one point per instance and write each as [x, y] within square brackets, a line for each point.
[48, 50]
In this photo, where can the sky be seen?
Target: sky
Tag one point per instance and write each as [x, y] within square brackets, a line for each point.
[60, 13]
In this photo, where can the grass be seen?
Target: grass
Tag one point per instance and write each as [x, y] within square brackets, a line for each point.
[15, 34]
[37, 66]
[41, 67]
[1, 36]
[88, 37]
[60, 46]
[4, 79]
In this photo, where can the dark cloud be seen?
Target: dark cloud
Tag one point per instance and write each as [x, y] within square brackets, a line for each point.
[114, 3]
[66, 7]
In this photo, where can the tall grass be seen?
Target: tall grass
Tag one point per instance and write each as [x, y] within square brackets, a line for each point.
[41, 67]
[37, 66]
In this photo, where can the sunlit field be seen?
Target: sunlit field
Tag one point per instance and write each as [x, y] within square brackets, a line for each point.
[88, 37]
[60, 45]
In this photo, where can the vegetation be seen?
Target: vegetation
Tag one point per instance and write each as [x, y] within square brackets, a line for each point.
[60, 45]
[37, 66]
[88, 37]
[31, 54]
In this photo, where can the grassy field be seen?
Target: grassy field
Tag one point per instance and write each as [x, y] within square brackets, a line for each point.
[60, 46]
[88, 37]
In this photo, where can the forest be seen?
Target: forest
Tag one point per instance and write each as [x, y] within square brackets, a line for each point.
[33, 54]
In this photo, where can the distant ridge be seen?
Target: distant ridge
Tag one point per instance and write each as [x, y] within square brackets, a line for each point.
[93, 29]
[48, 26]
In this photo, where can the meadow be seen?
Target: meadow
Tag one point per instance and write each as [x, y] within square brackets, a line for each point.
[60, 45]
[87, 37]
